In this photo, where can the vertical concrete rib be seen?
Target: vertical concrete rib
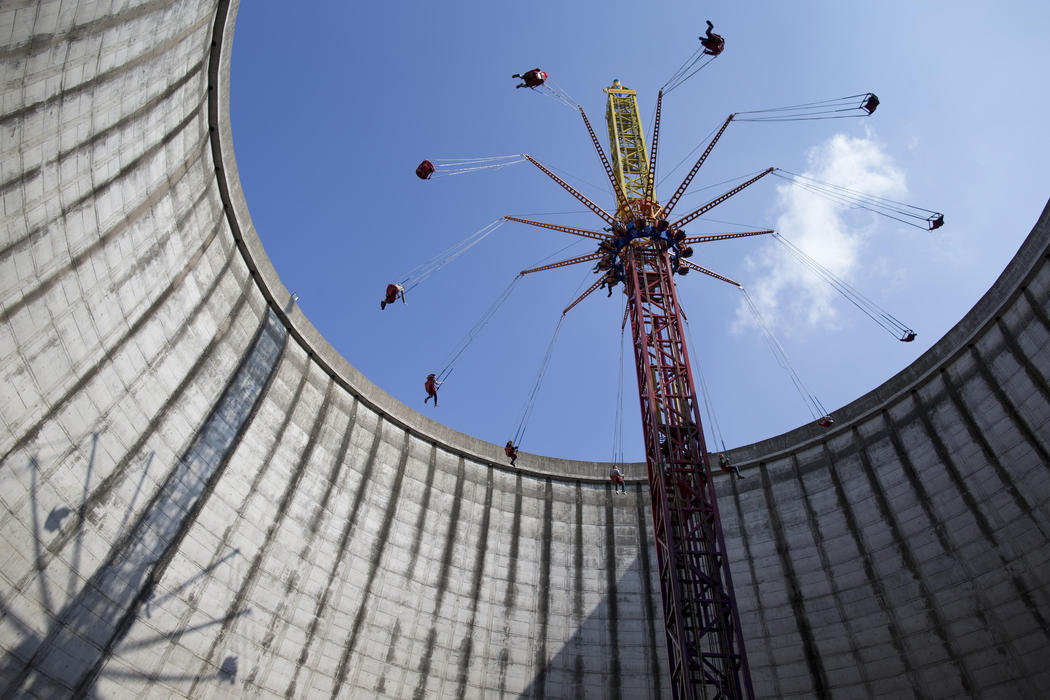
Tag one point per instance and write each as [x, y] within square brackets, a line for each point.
[809, 646]
[82, 383]
[1007, 558]
[1011, 410]
[424, 510]
[577, 591]
[641, 501]
[304, 557]
[349, 524]
[1036, 308]
[991, 456]
[135, 563]
[933, 614]
[510, 596]
[275, 523]
[215, 442]
[825, 565]
[373, 566]
[466, 647]
[613, 615]
[101, 493]
[543, 594]
[1037, 379]
[443, 574]
[877, 585]
[982, 609]
[760, 611]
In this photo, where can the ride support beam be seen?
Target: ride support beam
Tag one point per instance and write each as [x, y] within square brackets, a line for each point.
[586, 293]
[694, 266]
[564, 263]
[696, 168]
[564, 229]
[606, 216]
[621, 199]
[705, 649]
[689, 240]
[651, 179]
[718, 200]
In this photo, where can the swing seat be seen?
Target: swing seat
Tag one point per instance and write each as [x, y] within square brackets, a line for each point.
[425, 170]
[936, 221]
[908, 337]
[826, 422]
[870, 104]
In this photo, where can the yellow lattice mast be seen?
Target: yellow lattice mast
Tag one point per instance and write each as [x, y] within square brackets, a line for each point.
[630, 162]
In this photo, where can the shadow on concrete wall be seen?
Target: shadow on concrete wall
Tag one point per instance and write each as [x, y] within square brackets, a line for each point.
[623, 625]
[76, 617]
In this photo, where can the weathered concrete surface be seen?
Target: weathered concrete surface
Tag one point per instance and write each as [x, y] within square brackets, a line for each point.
[201, 497]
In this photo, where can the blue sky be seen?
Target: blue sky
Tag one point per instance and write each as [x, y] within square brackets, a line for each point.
[334, 104]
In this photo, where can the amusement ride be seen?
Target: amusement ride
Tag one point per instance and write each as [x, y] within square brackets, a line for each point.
[640, 247]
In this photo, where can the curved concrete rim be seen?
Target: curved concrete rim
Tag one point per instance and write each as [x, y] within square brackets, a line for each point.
[1003, 292]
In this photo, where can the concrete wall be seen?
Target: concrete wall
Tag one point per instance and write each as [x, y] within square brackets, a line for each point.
[201, 497]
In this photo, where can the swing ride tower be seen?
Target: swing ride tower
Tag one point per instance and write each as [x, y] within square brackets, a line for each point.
[644, 249]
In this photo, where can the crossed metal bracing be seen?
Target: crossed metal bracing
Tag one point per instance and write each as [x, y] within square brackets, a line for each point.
[704, 646]
[643, 249]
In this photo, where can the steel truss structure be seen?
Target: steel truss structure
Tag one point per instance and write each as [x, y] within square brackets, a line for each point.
[704, 647]
[643, 249]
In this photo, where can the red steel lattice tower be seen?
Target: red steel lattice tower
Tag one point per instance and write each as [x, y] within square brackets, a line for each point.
[643, 249]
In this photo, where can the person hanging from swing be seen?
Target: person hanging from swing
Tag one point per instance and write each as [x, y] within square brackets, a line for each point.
[617, 478]
[393, 291]
[511, 450]
[531, 79]
[713, 43]
[431, 386]
[725, 465]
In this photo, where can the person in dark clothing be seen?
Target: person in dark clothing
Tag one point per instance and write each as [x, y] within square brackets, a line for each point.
[393, 291]
[725, 465]
[431, 386]
[511, 450]
[531, 79]
[713, 43]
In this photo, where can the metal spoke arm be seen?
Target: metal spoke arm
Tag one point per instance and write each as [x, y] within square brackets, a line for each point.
[587, 293]
[606, 216]
[564, 229]
[621, 198]
[564, 263]
[696, 168]
[652, 153]
[694, 266]
[718, 200]
[723, 236]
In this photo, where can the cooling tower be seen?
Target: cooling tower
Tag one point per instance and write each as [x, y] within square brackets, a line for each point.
[202, 498]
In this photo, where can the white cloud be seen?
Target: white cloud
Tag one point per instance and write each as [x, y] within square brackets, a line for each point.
[791, 297]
